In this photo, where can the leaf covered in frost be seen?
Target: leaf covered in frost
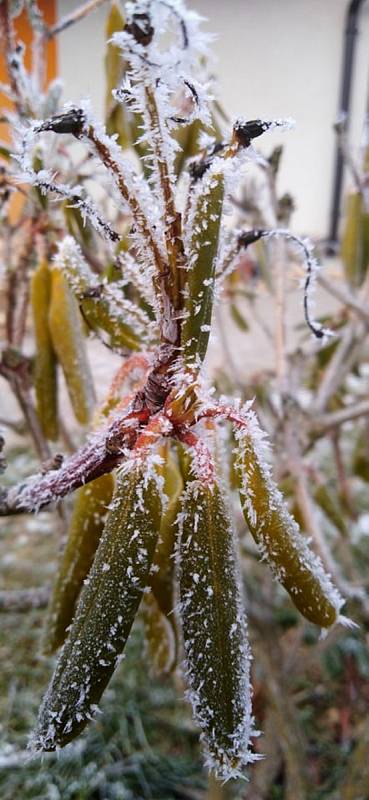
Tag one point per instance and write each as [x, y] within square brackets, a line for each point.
[217, 656]
[106, 610]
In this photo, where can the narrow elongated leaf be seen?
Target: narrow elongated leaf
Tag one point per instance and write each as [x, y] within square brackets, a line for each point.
[238, 318]
[214, 629]
[355, 240]
[68, 341]
[200, 276]
[98, 315]
[119, 119]
[160, 637]
[79, 228]
[85, 528]
[116, 115]
[277, 535]
[162, 578]
[101, 308]
[158, 611]
[184, 462]
[45, 370]
[106, 610]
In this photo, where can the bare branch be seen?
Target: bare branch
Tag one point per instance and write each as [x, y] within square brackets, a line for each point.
[340, 364]
[75, 16]
[14, 367]
[103, 452]
[86, 206]
[344, 295]
[337, 418]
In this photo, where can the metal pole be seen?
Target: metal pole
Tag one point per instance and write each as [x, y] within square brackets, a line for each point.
[351, 30]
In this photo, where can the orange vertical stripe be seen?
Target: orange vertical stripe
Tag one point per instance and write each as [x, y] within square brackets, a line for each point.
[23, 33]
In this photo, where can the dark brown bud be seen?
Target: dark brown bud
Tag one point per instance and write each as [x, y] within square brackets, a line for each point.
[198, 167]
[244, 132]
[71, 121]
[141, 29]
[51, 464]
[249, 237]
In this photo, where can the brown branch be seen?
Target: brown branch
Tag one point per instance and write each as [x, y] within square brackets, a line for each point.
[14, 367]
[75, 16]
[354, 169]
[340, 364]
[169, 324]
[17, 289]
[311, 523]
[103, 452]
[344, 295]
[173, 232]
[337, 418]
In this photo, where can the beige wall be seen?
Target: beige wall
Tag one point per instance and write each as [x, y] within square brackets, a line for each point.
[275, 58]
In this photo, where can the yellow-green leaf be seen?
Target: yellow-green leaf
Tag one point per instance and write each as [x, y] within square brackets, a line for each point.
[66, 330]
[116, 116]
[355, 239]
[277, 534]
[45, 366]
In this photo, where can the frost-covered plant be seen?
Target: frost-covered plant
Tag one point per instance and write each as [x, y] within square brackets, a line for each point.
[159, 535]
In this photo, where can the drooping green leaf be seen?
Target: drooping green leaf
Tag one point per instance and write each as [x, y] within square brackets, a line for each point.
[214, 629]
[277, 534]
[106, 610]
[84, 532]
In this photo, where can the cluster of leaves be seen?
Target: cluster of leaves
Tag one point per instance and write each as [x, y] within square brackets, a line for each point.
[159, 534]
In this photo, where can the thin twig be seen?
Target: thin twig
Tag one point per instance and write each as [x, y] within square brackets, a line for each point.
[340, 364]
[291, 738]
[336, 418]
[18, 378]
[280, 315]
[70, 19]
[344, 295]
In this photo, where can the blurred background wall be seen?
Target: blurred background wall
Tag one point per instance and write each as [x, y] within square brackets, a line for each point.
[275, 58]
